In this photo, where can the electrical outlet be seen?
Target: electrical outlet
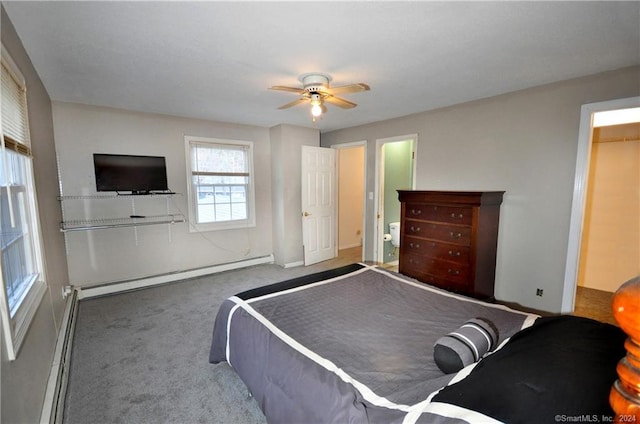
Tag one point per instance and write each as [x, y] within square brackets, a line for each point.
[539, 292]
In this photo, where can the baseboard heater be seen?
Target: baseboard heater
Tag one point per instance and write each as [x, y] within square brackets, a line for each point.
[53, 406]
[121, 286]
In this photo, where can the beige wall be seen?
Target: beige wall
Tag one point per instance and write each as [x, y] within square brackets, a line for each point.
[108, 255]
[523, 142]
[350, 197]
[610, 251]
[24, 380]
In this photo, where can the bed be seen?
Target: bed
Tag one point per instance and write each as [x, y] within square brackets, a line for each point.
[357, 344]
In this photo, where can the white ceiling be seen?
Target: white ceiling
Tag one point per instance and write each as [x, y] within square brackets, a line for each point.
[216, 60]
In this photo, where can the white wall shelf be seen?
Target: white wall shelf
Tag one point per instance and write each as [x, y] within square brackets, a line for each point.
[117, 196]
[88, 206]
[97, 224]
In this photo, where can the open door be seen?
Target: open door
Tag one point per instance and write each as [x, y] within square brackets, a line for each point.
[318, 204]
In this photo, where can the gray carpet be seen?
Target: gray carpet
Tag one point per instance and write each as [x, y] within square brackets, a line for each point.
[142, 356]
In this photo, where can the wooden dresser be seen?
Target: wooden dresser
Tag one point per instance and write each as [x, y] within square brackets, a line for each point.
[449, 239]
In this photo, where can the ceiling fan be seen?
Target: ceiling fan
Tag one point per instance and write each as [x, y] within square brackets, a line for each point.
[316, 90]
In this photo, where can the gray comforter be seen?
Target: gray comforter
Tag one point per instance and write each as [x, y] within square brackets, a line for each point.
[356, 347]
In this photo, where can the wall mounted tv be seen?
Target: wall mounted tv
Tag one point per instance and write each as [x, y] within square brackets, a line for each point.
[128, 173]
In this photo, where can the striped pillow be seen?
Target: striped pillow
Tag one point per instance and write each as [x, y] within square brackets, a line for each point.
[465, 345]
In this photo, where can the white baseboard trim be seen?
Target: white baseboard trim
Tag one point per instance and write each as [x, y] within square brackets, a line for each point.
[116, 287]
[53, 405]
[293, 264]
[349, 246]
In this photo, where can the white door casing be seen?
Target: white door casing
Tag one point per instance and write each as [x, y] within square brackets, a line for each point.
[576, 224]
[318, 204]
[378, 228]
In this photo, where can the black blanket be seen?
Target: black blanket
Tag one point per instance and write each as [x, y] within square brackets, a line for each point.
[554, 371]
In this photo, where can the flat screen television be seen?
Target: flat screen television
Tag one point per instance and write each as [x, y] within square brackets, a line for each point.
[128, 173]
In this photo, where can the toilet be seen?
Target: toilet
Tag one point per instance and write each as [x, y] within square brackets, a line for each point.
[394, 230]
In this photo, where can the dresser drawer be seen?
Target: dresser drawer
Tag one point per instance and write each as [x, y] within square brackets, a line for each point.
[442, 232]
[450, 214]
[462, 287]
[434, 249]
[438, 268]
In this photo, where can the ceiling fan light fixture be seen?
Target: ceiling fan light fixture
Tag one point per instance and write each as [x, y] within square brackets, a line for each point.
[316, 105]
[317, 92]
[316, 110]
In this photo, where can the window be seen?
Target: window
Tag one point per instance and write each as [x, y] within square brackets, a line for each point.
[21, 265]
[221, 192]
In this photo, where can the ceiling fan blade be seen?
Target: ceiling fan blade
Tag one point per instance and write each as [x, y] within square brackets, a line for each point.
[337, 101]
[289, 89]
[351, 88]
[294, 103]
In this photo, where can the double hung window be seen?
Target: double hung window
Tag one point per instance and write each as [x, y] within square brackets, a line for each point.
[221, 194]
[21, 265]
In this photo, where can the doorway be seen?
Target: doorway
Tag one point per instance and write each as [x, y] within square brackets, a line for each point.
[610, 248]
[395, 170]
[584, 259]
[351, 198]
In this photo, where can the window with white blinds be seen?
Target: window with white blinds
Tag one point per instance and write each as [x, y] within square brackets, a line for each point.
[21, 254]
[221, 183]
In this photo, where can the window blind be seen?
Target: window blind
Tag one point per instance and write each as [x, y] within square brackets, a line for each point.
[15, 128]
[219, 160]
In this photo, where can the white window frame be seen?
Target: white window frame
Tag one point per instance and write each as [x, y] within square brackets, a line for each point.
[194, 226]
[14, 328]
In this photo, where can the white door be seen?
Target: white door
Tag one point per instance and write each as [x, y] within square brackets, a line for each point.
[318, 204]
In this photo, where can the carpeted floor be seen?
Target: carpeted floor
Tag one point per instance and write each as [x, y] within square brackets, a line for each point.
[142, 357]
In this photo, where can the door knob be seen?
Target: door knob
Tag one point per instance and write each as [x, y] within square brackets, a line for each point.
[306, 213]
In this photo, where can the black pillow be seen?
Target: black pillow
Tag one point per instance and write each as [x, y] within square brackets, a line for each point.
[466, 345]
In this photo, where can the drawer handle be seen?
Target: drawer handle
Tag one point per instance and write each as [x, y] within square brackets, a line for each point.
[453, 271]
[452, 253]
[455, 235]
[416, 211]
[453, 215]
[414, 245]
[415, 229]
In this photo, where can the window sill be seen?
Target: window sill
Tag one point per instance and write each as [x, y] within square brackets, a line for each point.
[219, 226]
[20, 323]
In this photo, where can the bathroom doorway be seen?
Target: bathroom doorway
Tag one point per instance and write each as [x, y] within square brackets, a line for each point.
[395, 170]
